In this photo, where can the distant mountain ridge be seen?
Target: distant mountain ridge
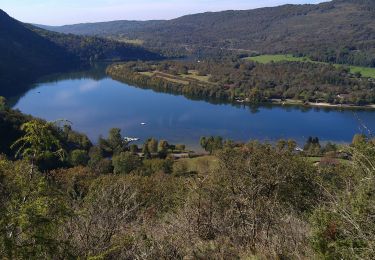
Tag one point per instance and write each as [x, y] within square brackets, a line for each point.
[340, 31]
[92, 48]
[100, 28]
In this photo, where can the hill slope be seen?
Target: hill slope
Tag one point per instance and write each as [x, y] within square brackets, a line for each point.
[27, 52]
[25, 55]
[101, 28]
[341, 31]
[91, 48]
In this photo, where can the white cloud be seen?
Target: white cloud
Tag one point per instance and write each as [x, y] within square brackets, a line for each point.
[89, 86]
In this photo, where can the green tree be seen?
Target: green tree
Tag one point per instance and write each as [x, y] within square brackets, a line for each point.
[281, 145]
[180, 147]
[312, 146]
[133, 148]
[125, 163]
[31, 214]
[292, 145]
[75, 140]
[330, 147]
[39, 141]
[95, 155]
[212, 143]
[78, 157]
[203, 142]
[97, 163]
[255, 96]
[163, 149]
[146, 152]
[163, 146]
[359, 139]
[158, 165]
[115, 141]
[3, 103]
[152, 145]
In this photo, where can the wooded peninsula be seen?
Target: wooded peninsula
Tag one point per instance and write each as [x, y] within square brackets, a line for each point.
[241, 80]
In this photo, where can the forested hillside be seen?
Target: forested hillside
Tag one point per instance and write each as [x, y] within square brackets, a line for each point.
[101, 28]
[90, 48]
[25, 55]
[340, 31]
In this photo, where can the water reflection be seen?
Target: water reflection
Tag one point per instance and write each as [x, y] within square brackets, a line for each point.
[95, 103]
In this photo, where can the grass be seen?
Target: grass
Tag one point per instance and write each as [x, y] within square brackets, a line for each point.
[313, 159]
[147, 73]
[200, 164]
[181, 78]
[278, 58]
[193, 74]
[288, 101]
[365, 71]
[127, 40]
[178, 81]
[319, 159]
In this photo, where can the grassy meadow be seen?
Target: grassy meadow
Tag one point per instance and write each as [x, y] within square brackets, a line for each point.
[365, 71]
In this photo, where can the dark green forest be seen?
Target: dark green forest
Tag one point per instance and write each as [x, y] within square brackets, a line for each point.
[89, 48]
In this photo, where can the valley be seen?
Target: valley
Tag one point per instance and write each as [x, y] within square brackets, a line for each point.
[85, 100]
[234, 134]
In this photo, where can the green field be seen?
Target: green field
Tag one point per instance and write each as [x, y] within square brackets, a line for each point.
[365, 71]
[147, 73]
[193, 74]
[127, 40]
[181, 78]
[278, 58]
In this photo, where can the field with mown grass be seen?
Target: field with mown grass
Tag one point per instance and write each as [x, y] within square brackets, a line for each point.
[365, 71]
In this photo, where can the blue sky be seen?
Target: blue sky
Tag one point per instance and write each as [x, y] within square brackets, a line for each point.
[59, 12]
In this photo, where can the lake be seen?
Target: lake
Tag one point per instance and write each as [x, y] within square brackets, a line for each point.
[95, 103]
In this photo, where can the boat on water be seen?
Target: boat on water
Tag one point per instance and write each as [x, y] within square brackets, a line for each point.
[143, 123]
[131, 139]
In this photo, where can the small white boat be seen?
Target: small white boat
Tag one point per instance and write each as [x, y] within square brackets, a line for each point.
[131, 139]
[143, 123]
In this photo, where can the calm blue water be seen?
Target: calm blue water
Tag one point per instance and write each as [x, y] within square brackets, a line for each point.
[96, 105]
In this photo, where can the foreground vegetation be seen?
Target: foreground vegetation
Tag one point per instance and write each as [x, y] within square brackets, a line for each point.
[238, 80]
[63, 197]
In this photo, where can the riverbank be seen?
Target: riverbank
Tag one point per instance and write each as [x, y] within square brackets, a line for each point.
[250, 84]
[320, 104]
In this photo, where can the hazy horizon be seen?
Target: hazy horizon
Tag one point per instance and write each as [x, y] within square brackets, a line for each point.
[80, 11]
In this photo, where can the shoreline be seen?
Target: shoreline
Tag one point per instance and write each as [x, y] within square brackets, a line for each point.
[320, 104]
[287, 102]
